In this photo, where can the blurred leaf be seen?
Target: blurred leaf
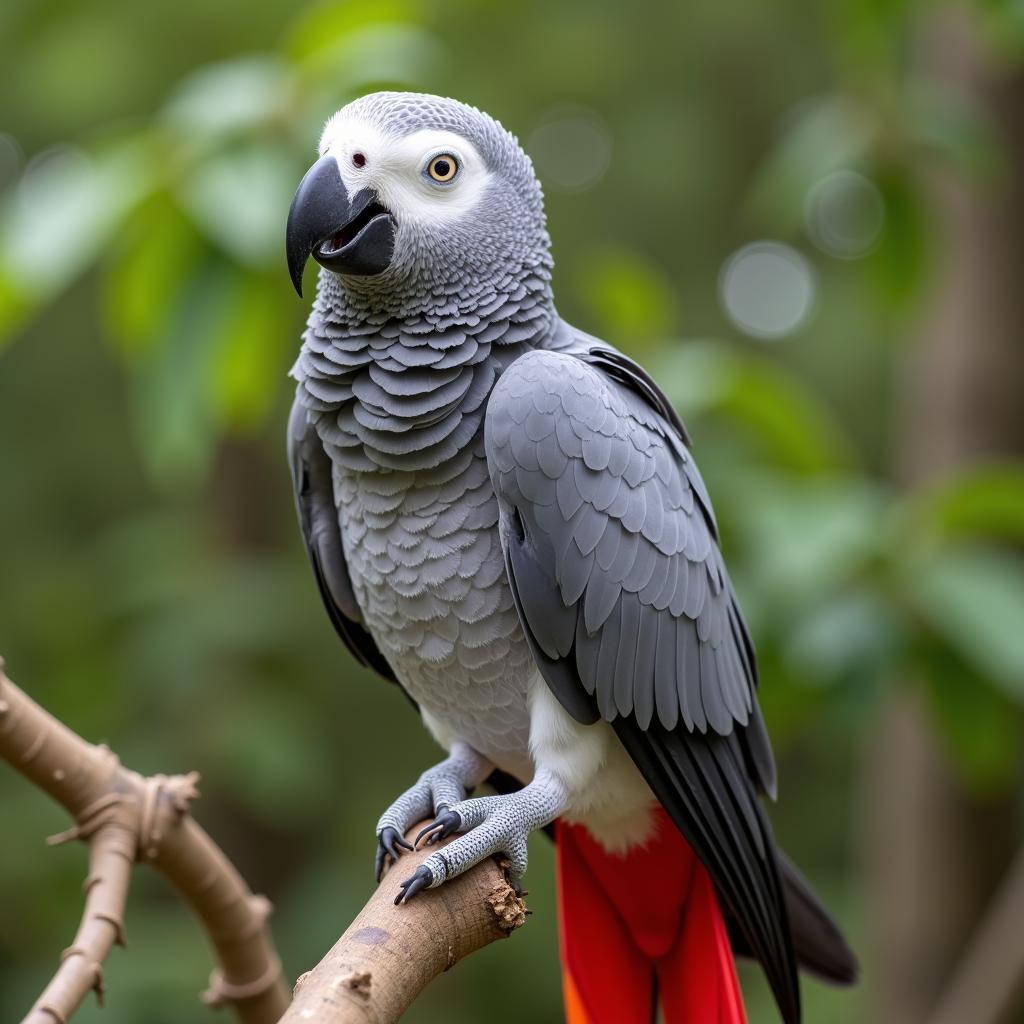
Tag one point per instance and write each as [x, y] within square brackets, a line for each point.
[807, 536]
[788, 420]
[374, 55]
[627, 294]
[14, 307]
[239, 198]
[696, 374]
[217, 362]
[899, 263]
[64, 212]
[981, 500]
[980, 725]
[846, 635]
[323, 24]
[793, 428]
[974, 598]
[228, 99]
[148, 267]
[870, 34]
[251, 352]
[174, 424]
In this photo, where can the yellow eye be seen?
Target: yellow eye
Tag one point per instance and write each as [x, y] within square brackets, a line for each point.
[443, 167]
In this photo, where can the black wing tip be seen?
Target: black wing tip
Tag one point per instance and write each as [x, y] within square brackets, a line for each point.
[829, 958]
[844, 974]
[821, 947]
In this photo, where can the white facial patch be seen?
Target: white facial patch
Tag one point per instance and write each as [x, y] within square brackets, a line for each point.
[396, 167]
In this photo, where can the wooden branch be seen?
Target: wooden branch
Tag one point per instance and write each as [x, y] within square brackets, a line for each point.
[386, 957]
[389, 954]
[125, 817]
[111, 855]
[991, 974]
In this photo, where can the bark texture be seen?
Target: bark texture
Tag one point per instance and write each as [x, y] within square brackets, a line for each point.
[389, 953]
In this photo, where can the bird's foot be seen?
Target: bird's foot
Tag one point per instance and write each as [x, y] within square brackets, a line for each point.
[488, 825]
[437, 789]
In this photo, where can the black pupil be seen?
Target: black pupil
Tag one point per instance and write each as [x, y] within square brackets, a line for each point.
[358, 159]
[442, 168]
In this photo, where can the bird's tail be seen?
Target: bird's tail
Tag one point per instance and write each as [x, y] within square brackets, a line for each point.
[641, 928]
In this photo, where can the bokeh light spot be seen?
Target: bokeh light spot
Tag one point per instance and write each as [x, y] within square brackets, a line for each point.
[571, 148]
[767, 289]
[844, 214]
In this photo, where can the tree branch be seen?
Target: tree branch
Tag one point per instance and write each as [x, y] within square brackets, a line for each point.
[386, 957]
[125, 817]
[111, 855]
[389, 954]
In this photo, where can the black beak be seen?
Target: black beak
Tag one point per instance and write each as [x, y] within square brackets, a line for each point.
[347, 234]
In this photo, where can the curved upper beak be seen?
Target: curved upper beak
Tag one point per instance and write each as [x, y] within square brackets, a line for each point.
[347, 234]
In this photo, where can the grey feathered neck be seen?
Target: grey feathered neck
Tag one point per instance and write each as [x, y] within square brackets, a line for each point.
[395, 369]
[408, 393]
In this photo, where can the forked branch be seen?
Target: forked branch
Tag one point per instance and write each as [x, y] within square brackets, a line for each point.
[124, 818]
[383, 961]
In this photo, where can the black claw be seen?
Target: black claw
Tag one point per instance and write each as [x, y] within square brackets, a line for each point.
[419, 880]
[423, 831]
[388, 843]
[506, 869]
[445, 824]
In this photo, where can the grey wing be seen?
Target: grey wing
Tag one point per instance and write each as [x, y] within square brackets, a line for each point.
[318, 519]
[611, 551]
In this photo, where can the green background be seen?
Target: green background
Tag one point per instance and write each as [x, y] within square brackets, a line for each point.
[155, 594]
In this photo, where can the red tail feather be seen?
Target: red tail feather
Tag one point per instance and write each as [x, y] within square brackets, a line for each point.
[628, 922]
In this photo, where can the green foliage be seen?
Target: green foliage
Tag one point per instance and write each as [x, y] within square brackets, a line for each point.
[975, 601]
[983, 500]
[979, 723]
[626, 293]
[789, 423]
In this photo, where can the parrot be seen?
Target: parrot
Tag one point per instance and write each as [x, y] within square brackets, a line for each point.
[504, 517]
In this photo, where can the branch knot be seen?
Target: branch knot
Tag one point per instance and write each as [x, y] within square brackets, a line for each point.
[90, 819]
[179, 791]
[221, 991]
[94, 965]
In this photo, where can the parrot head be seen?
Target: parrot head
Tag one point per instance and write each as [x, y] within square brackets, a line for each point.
[416, 194]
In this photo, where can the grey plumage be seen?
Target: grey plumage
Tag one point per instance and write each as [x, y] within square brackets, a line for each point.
[671, 575]
[488, 494]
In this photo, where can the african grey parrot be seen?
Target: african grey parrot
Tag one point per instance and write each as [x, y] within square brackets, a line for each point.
[504, 517]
